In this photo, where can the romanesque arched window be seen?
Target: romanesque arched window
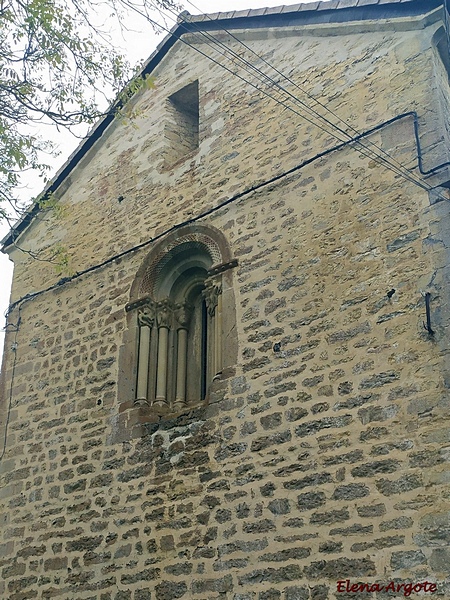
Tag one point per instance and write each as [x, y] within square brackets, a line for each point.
[179, 316]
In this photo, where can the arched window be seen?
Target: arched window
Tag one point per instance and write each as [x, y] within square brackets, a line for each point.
[179, 319]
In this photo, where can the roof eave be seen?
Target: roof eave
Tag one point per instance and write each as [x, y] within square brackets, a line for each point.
[337, 11]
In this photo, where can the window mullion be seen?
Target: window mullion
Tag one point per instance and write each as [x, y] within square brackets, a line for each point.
[212, 293]
[146, 318]
[183, 314]
[164, 319]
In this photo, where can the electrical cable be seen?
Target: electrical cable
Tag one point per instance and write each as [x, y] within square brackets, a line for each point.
[400, 170]
[306, 93]
[284, 90]
[206, 213]
[403, 173]
[356, 139]
[447, 22]
[14, 349]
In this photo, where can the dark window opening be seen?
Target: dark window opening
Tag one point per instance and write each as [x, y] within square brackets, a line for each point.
[204, 350]
[182, 124]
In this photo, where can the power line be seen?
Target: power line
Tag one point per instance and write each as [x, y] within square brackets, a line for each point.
[301, 89]
[358, 145]
[202, 215]
[401, 171]
[352, 141]
[11, 387]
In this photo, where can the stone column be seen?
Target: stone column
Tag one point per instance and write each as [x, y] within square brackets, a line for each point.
[218, 333]
[164, 319]
[146, 319]
[212, 293]
[183, 314]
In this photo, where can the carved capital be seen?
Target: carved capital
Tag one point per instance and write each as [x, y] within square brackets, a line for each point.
[183, 313]
[164, 313]
[146, 314]
[139, 303]
[143, 402]
[211, 293]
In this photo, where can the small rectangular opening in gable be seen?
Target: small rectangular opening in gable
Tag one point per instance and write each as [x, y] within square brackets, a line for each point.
[182, 124]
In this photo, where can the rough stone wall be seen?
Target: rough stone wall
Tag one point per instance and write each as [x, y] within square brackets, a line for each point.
[323, 454]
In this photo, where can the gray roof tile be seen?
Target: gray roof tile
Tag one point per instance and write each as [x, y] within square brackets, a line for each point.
[257, 12]
[347, 3]
[319, 5]
[310, 6]
[274, 10]
[164, 46]
[242, 13]
[328, 5]
[291, 8]
[214, 16]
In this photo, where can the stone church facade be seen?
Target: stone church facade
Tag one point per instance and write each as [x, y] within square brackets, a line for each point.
[239, 389]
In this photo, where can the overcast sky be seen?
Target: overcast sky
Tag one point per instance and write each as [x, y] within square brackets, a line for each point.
[138, 45]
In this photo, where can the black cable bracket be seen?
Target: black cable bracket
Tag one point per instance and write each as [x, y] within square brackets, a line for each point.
[427, 327]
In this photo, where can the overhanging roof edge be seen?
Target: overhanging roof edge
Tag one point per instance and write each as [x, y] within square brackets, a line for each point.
[341, 10]
[94, 135]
